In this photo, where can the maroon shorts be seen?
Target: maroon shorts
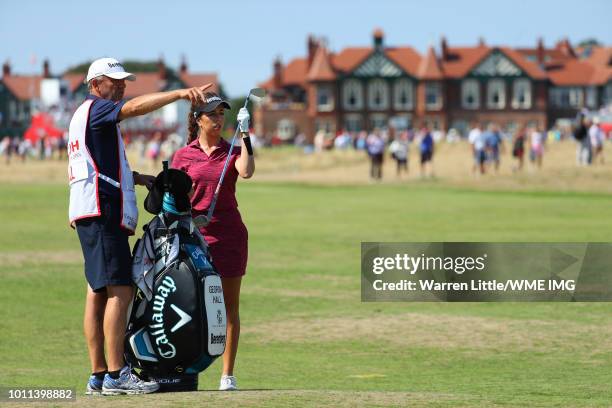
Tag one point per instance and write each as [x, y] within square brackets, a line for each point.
[227, 238]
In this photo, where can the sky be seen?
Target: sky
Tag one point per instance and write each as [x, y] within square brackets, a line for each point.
[240, 39]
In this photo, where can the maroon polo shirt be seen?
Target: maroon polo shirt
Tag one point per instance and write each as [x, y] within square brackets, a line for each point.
[205, 171]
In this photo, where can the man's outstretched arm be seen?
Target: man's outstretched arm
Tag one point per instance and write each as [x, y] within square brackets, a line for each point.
[144, 104]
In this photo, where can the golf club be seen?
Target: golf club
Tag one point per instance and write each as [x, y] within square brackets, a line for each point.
[255, 95]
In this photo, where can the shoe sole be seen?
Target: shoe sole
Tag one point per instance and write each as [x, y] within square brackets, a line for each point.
[93, 392]
[127, 392]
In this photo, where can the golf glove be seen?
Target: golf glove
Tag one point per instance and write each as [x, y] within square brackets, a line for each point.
[243, 120]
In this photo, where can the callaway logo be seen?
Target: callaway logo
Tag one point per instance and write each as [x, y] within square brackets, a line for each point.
[220, 339]
[164, 347]
[185, 318]
[114, 64]
[213, 98]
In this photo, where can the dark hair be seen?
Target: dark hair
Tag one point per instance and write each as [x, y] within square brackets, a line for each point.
[193, 128]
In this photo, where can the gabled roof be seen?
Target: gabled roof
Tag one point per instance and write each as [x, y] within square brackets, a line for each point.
[461, 60]
[146, 82]
[321, 69]
[579, 73]
[296, 72]
[22, 86]
[530, 68]
[406, 57]
[349, 58]
[191, 80]
[74, 80]
[562, 65]
[429, 69]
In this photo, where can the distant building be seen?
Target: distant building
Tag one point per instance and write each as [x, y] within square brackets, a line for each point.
[22, 95]
[361, 88]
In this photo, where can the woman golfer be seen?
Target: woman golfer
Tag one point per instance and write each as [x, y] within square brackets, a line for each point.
[203, 159]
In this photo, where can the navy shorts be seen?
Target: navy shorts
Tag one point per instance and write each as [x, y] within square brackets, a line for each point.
[105, 246]
[426, 156]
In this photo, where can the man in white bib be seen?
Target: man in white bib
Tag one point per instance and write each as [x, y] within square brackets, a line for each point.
[103, 210]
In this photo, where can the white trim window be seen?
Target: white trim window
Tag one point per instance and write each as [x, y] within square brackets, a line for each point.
[521, 94]
[379, 121]
[608, 94]
[403, 94]
[325, 99]
[433, 96]
[591, 97]
[470, 94]
[352, 94]
[378, 94]
[325, 125]
[353, 122]
[496, 94]
[566, 97]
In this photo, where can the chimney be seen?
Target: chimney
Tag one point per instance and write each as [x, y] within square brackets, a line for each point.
[161, 68]
[46, 70]
[566, 48]
[444, 48]
[481, 42]
[312, 48]
[378, 37]
[183, 67]
[6, 69]
[278, 79]
[540, 51]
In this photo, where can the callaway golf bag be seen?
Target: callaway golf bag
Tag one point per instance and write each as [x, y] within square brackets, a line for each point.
[177, 320]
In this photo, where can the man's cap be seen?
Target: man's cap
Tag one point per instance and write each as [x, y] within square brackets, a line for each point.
[109, 67]
[210, 103]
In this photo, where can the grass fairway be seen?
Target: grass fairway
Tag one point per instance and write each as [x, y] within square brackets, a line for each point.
[307, 340]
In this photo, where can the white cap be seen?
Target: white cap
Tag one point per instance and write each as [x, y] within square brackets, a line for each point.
[109, 67]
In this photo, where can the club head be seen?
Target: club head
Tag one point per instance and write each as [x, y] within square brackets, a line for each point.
[256, 94]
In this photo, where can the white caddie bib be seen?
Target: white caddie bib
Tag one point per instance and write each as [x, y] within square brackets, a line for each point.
[83, 175]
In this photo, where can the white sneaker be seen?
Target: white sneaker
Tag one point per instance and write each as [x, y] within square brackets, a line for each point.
[228, 383]
[127, 383]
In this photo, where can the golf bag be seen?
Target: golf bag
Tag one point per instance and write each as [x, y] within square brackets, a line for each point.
[177, 324]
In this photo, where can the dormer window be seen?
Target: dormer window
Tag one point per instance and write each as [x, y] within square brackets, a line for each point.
[378, 94]
[403, 92]
[352, 94]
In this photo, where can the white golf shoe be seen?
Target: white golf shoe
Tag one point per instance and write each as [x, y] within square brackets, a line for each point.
[228, 383]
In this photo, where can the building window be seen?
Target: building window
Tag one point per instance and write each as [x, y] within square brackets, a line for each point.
[470, 94]
[496, 94]
[378, 94]
[12, 111]
[591, 97]
[325, 125]
[353, 122]
[433, 96]
[352, 94]
[566, 97]
[401, 122]
[286, 129]
[608, 94]
[403, 95]
[325, 101]
[521, 94]
[378, 121]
